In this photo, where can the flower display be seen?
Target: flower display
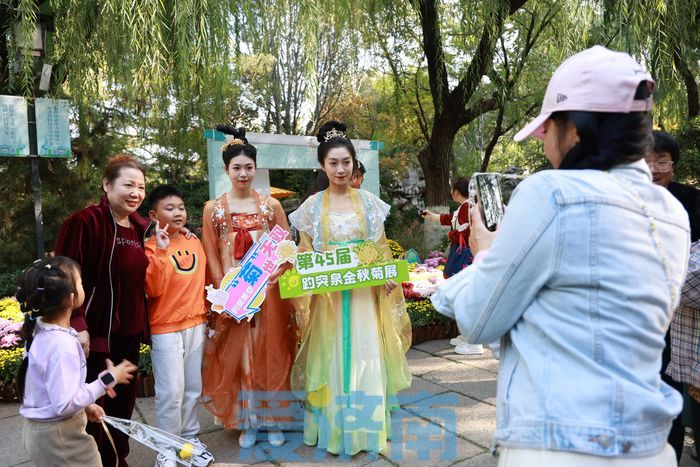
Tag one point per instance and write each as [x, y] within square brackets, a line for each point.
[10, 360]
[425, 280]
[9, 333]
[9, 310]
[397, 250]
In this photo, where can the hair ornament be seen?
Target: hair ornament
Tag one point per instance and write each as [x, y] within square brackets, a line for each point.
[48, 266]
[232, 142]
[333, 133]
[40, 289]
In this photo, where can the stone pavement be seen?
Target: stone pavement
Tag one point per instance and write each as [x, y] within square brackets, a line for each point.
[446, 419]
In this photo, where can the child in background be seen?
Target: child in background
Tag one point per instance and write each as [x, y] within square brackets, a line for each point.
[358, 175]
[56, 401]
[175, 288]
[460, 255]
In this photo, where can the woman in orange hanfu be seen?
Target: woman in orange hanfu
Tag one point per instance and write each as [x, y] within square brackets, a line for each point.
[246, 363]
[351, 363]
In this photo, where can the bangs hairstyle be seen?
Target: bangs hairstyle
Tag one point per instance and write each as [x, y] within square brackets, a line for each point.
[608, 139]
[335, 142]
[236, 146]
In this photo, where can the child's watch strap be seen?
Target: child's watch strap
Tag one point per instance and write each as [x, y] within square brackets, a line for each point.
[108, 380]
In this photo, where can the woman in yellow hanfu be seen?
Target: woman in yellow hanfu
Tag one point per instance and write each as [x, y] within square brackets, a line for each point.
[351, 363]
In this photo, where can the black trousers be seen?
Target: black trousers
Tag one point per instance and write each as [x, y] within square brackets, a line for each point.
[122, 406]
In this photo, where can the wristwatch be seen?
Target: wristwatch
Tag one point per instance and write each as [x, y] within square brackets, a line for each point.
[108, 380]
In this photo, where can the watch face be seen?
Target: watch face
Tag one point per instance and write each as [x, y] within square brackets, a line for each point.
[107, 379]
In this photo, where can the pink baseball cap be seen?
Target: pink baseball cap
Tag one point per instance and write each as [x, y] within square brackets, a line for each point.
[595, 80]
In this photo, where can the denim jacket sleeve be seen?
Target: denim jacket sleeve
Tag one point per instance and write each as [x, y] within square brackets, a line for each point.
[488, 298]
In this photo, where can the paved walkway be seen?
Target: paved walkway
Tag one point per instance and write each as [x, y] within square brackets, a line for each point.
[446, 419]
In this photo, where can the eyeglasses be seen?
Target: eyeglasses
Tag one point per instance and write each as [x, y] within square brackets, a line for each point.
[661, 166]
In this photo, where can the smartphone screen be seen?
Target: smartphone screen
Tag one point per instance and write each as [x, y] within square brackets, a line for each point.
[488, 186]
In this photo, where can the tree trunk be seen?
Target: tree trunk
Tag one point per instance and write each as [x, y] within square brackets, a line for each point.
[691, 86]
[434, 159]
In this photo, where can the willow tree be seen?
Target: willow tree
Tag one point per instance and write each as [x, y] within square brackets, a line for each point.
[665, 35]
[475, 54]
[129, 68]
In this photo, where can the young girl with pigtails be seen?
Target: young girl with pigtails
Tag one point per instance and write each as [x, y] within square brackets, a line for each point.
[353, 346]
[56, 400]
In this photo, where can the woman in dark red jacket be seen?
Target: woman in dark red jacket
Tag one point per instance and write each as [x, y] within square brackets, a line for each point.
[106, 239]
[460, 255]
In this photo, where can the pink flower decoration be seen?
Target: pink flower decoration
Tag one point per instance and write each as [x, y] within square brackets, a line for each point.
[10, 340]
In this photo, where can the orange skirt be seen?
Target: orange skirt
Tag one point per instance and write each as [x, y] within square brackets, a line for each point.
[245, 374]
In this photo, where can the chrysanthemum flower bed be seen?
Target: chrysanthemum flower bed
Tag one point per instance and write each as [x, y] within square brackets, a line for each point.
[424, 279]
[11, 346]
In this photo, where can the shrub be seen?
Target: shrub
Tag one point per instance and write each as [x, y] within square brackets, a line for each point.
[8, 282]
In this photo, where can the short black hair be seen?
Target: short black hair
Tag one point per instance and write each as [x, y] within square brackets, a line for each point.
[359, 168]
[161, 192]
[461, 185]
[663, 142]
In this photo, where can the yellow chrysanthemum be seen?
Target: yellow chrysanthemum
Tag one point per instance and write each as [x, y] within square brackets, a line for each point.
[9, 310]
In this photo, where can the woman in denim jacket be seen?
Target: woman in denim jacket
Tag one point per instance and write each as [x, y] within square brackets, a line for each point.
[580, 281]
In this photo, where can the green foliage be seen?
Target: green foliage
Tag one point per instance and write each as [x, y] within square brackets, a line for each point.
[8, 283]
[688, 135]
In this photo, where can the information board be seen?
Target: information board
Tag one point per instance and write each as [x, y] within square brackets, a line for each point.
[52, 127]
[14, 133]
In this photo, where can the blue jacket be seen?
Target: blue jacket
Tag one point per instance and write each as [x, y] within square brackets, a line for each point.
[574, 285]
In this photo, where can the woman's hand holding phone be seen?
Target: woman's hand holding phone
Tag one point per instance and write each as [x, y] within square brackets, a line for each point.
[480, 238]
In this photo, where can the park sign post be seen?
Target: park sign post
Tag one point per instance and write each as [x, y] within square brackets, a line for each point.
[34, 128]
[346, 267]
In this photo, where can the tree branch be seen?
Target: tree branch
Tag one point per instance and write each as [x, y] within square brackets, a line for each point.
[432, 47]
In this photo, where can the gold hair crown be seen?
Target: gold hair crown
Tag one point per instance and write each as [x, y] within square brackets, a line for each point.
[232, 142]
[333, 133]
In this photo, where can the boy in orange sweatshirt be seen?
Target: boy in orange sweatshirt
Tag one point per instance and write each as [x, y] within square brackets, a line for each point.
[175, 288]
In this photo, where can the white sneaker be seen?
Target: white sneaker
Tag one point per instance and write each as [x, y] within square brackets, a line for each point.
[469, 349]
[276, 438]
[247, 438]
[197, 442]
[459, 340]
[162, 461]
